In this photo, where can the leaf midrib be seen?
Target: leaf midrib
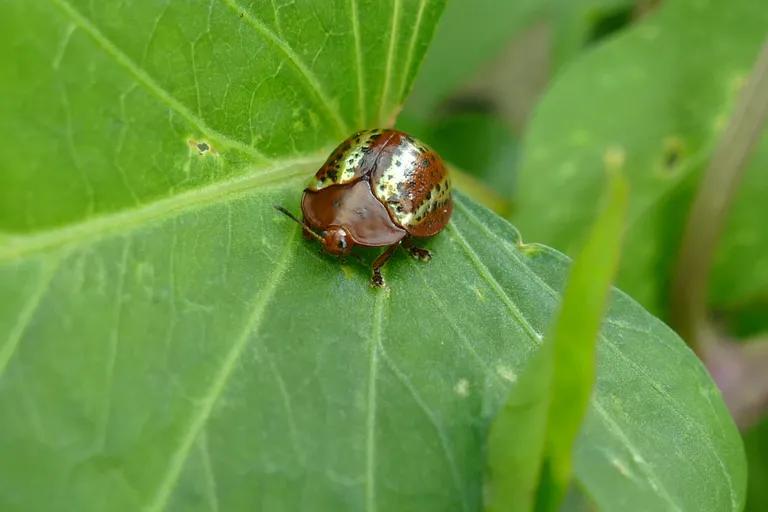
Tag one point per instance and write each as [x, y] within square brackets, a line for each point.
[278, 174]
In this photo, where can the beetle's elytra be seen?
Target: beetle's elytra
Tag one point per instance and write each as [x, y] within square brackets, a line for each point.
[379, 188]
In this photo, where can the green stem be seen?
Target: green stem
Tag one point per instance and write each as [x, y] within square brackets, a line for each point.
[709, 212]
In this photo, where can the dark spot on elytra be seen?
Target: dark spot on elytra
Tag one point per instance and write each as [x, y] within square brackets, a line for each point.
[398, 163]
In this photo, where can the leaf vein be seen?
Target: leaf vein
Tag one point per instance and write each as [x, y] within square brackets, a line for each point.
[114, 342]
[486, 274]
[370, 427]
[308, 76]
[362, 115]
[293, 431]
[390, 57]
[150, 84]
[441, 435]
[454, 326]
[210, 479]
[281, 172]
[615, 429]
[200, 417]
[412, 47]
[27, 314]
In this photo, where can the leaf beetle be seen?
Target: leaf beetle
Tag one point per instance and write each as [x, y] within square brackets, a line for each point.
[378, 188]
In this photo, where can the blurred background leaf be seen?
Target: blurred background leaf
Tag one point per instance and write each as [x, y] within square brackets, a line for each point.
[681, 68]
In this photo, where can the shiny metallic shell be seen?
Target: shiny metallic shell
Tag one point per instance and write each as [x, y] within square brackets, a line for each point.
[349, 161]
[407, 176]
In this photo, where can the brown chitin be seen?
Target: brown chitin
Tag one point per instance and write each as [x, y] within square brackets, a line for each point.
[378, 188]
[353, 207]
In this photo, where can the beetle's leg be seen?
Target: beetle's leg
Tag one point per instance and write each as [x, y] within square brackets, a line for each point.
[376, 279]
[416, 252]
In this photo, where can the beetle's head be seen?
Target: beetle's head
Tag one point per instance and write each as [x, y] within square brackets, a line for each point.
[336, 241]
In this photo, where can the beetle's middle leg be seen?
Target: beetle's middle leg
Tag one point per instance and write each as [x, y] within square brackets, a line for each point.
[416, 252]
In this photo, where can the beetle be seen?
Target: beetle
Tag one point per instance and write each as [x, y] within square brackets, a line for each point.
[378, 188]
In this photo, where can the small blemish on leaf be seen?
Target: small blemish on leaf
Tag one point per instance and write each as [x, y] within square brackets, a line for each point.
[202, 147]
[620, 467]
[672, 154]
[506, 373]
[462, 388]
[348, 272]
[614, 158]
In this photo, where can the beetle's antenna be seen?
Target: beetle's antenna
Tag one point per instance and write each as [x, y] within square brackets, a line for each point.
[292, 216]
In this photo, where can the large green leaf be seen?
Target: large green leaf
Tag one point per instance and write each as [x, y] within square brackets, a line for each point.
[660, 94]
[170, 341]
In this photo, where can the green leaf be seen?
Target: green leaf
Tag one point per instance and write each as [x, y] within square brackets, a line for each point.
[661, 93]
[574, 338]
[170, 341]
[578, 24]
[485, 26]
[531, 440]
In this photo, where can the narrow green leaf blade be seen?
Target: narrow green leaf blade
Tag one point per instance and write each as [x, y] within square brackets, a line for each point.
[531, 441]
[575, 336]
[517, 436]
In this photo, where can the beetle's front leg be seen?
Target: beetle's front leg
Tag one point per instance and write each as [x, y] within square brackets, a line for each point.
[377, 279]
[417, 252]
